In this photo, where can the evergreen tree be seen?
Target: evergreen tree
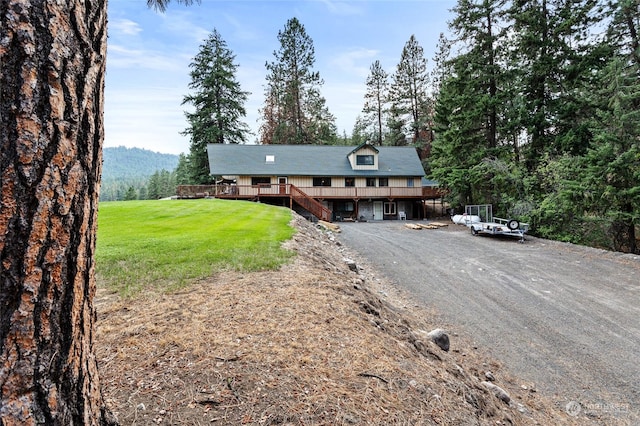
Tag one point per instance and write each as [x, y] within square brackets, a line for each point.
[396, 124]
[219, 105]
[183, 177]
[469, 106]
[440, 65]
[615, 161]
[476, 26]
[409, 91]
[143, 194]
[130, 194]
[359, 133]
[375, 99]
[321, 128]
[613, 164]
[550, 58]
[294, 111]
[270, 113]
[162, 184]
[461, 142]
[623, 32]
[154, 186]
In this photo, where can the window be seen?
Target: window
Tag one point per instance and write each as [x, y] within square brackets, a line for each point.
[349, 181]
[410, 182]
[365, 160]
[390, 208]
[270, 158]
[383, 182]
[260, 180]
[348, 206]
[371, 181]
[321, 181]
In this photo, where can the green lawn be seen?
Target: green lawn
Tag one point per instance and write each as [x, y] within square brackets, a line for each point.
[167, 244]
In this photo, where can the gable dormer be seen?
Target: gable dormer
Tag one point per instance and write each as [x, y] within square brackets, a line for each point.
[364, 157]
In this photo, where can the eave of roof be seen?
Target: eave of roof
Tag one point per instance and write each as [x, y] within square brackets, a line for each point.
[362, 145]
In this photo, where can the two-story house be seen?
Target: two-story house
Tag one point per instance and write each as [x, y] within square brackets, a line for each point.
[332, 182]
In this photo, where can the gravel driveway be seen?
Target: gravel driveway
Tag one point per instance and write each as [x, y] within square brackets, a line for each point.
[563, 317]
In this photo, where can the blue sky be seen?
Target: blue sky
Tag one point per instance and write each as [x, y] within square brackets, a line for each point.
[149, 55]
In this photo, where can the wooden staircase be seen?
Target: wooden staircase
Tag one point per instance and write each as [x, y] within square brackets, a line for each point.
[310, 204]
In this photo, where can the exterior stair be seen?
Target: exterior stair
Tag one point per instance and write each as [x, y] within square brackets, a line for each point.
[310, 204]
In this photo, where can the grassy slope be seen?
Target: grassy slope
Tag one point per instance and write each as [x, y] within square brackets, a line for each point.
[166, 244]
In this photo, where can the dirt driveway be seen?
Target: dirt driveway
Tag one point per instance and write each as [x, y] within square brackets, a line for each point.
[565, 318]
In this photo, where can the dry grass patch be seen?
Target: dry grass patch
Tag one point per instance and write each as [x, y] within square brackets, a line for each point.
[310, 344]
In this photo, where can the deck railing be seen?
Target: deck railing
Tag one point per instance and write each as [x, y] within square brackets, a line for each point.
[275, 190]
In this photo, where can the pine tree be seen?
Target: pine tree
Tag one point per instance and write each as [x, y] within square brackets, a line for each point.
[183, 176]
[52, 84]
[130, 194]
[440, 65]
[143, 194]
[551, 58]
[375, 99]
[294, 111]
[396, 124]
[154, 186]
[471, 94]
[219, 105]
[623, 33]
[359, 133]
[409, 90]
[460, 145]
[477, 28]
[613, 164]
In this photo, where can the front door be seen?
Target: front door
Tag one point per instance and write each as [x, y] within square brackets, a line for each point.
[377, 210]
[282, 182]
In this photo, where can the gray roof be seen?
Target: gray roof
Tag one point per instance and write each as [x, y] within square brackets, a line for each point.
[308, 160]
[429, 182]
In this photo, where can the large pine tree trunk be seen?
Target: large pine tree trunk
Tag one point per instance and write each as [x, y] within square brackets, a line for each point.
[52, 59]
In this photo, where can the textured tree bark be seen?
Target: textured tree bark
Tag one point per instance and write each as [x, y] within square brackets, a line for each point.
[52, 65]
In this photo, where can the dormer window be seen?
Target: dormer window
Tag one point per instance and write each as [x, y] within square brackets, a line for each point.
[365, 160]
[364, 157]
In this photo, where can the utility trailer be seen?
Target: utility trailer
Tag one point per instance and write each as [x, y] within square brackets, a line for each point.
[479, 219]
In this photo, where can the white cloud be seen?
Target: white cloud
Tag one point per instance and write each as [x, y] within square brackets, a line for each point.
[183, 27]
[354, 62]
[125, 27]
[241, 31]
[342, 8]
[123, 57]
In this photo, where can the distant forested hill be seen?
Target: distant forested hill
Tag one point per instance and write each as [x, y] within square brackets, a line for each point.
[124, 163]
[127, 172]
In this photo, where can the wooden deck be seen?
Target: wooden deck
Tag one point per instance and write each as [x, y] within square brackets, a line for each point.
[317, 192]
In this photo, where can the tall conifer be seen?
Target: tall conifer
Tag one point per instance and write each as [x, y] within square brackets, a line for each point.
[409, 89]
[294, 111]
[218, 101]
[375, 99]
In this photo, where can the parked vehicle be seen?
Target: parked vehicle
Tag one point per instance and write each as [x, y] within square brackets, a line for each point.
[479, 219]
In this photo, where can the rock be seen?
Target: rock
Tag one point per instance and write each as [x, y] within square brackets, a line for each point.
[351, 264]
[499, 393]
[489, 375]
[440, 338]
